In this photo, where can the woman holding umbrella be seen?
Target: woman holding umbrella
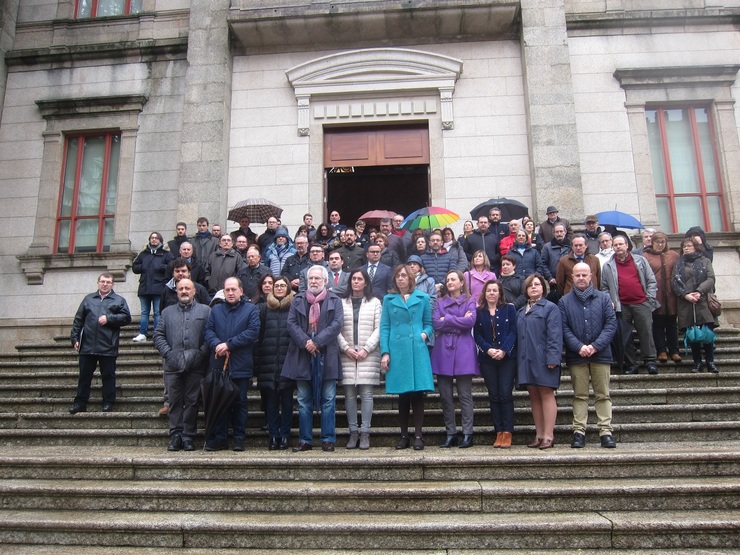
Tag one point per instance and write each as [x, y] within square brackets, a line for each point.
[405, 326]
[539, 334]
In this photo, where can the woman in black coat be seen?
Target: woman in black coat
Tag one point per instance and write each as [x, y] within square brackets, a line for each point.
[277, 392]
[151, 264]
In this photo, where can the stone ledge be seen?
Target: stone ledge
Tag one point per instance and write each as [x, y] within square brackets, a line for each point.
[35, 266]
[630, 21]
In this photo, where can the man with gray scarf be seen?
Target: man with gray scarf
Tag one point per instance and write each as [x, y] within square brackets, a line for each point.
[179, 338]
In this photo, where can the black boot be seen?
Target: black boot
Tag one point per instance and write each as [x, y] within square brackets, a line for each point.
[450, 442]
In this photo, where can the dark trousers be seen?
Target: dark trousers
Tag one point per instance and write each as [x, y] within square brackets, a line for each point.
[641, 317]
[278, 411]
[414, 399]
[107, 373]
[236, 415]
[696, 352]
[499, 376]
[665, 333]
[184, 393]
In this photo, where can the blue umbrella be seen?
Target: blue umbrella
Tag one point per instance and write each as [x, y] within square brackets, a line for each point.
[619, 219]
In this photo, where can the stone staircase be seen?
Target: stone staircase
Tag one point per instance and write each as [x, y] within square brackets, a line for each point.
[98, 483]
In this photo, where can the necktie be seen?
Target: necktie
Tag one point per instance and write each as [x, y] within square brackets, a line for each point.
[372, 271]
[336, 278]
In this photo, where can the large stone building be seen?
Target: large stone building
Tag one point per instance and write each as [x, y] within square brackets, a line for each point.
[120, 117]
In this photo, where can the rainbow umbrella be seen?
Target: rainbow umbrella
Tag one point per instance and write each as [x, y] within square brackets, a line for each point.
[431, 217]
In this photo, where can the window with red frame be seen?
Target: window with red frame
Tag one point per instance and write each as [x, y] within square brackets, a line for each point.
[688, 186]
[87, 202]
[106, 8]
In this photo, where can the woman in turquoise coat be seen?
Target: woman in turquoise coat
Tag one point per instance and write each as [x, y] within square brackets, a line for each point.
[405, 325]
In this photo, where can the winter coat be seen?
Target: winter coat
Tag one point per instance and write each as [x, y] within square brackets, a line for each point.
[708, 249]
[528, 262]
[274, 342]
[477, 280]
[610, 281]
[662, 265]
[204, 246]
[401, 326]
[454, 352]
[514, 290]
[547, 228]
[297, 365]
[180, 338]
[152, 265]
[93, 338]
[487, 243]
[276, 257]
[438, 264]
[389, 258]
[222, 265]
[591, 323]
[552, 252]
[237, 325]
[564, 275]
[174, 244]
[169, 295]
[505, 331]
[353, 257]
[367, 371]
[539, 334]
[425, 284]
[294, 265]
[251, 277]
[458, 255]
[685, 281]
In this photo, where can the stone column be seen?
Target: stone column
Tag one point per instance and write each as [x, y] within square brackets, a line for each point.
[8, 16]
[204, 157]
[551, 119]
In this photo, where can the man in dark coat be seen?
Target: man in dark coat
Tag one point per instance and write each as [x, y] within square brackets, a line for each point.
[297, 262]
[547, 227]
[180, 340]
[224, 263]
[498, 228]
[268, 237]
[552, 252]
[592, 234]
[181, 269]
[253, 273]
[437, 261]
[245, 230]
[233, 328]
[579, 253]
[352, 253]
[204, 243]
[314, 322]
[94, 336]
[181, 235]
[483, 240]
[197, 270]
[380, 274]
[589, 325]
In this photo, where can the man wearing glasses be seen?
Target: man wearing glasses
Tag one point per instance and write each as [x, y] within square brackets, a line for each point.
[94, 336]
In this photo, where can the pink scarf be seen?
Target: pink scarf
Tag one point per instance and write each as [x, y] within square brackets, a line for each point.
[315, 309]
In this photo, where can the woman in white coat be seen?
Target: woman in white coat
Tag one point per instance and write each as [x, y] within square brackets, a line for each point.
[358, 343]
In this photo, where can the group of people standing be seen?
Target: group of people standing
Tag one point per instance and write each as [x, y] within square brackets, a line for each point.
[302, 324]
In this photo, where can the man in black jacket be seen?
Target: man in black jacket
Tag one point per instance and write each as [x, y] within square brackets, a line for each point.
[297, 262]
[483, 240]
[94, 336]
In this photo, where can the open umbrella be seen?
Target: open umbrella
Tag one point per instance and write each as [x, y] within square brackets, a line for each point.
[256, 209]
[218, 392]
[510, 209]
[430, 217]
[373, 217]
[619, 219]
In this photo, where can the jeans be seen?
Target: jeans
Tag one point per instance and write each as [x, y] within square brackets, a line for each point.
[328, 411]
[236, 415]
[278, 411]
[146, 302]
[107, 373]
[598, 374]
[366, 406]
[499, 376]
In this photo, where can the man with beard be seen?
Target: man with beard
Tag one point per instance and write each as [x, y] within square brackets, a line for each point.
[314, 322]
[223, 263]
[579, 253]
[180, 340]
[557, 248]
[181, 230]
[497, 228]
[352, 254]
[592, 234]
[297, 262]
[483, 240]
[547, 227]
[316, 257]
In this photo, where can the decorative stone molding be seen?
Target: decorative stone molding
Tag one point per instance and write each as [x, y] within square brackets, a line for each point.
[35, 266]
[389, 72]
[92, 106]
[653, 77]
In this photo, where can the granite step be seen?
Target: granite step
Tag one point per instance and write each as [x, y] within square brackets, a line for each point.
[26, 549]
[175, 529]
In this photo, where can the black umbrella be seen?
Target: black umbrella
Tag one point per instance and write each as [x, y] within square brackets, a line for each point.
[317, 377]
[219, 392]
[510, 209]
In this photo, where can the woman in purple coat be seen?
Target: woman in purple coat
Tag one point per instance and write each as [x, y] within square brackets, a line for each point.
[454, 355]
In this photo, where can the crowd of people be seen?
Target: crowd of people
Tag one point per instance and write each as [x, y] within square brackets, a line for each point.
[364, 306]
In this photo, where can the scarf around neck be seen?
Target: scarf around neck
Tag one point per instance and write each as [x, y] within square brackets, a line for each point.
[314, 309]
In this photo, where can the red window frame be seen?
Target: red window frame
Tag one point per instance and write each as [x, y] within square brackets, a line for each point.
[73, 217]
[94, 9]
[702, 194]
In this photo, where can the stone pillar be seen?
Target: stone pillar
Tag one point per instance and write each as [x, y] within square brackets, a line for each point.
[8, 16]
[206, 117]
[551, 119]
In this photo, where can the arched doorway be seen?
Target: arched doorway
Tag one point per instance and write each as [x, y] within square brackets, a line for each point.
[376, 167]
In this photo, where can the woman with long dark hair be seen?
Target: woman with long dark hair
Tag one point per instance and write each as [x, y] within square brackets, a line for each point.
[453, 355]
[405, 325]
[358, 343]
[693, 279]
[539, 332]
[495, 335]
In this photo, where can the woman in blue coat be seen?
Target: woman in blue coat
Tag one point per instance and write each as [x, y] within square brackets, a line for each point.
[151, 264]
[539, 331]
[405, 325]
[495, 335]
[453, 355]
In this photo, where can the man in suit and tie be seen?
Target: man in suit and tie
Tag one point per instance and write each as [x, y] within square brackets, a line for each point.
[380, 274]
[338, 278]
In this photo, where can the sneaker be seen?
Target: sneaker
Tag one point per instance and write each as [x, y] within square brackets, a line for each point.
[140, 338]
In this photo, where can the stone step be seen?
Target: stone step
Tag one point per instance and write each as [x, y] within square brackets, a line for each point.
[26, 549]
[175, 529]
[433, 418]
[354, 496]
[724, 430]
